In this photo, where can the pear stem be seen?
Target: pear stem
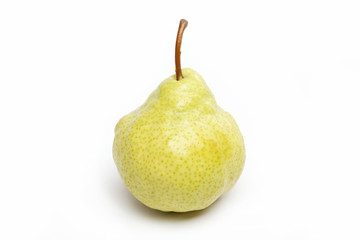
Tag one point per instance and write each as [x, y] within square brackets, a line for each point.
[183, 24]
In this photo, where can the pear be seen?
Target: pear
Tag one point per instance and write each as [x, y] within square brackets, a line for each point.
[179, 151]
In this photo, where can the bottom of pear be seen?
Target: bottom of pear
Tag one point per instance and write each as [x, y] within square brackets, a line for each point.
[179, 209]
[189, 210]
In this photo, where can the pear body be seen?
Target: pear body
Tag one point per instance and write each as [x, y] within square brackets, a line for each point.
[179, 151]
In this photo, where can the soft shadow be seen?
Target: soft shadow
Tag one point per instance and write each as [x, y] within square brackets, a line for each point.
[124, 198]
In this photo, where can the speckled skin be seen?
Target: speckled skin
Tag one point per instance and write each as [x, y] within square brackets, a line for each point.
[179, 151]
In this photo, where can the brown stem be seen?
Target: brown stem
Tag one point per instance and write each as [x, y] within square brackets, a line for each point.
[183, 24]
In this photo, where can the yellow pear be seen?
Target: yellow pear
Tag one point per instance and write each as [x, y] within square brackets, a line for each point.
[179, 151]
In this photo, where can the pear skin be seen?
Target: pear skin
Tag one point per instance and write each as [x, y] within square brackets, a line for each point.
[179, 151]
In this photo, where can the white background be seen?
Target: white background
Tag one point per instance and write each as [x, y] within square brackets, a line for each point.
[288, 72]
